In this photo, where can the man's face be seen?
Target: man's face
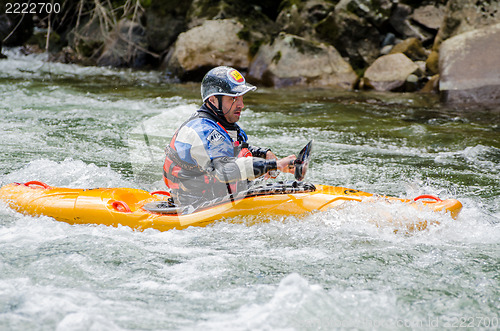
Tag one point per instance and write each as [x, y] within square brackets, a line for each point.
[231, 107]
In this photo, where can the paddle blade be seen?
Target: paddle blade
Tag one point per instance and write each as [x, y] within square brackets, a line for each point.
[302, 161]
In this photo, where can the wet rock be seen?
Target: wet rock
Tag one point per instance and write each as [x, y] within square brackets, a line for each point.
[212, 44]
[429, 16]
[469, 67]
[293, 60]
[411, 47]
[389, 72]
[466, 15]
[125, 46]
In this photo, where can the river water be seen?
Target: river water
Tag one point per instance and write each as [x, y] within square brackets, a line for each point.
[96, 127]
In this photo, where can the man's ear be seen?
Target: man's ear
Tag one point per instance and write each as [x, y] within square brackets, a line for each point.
[213, 100]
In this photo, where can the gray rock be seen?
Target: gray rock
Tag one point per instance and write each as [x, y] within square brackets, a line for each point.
[214, 43]
[126, 46]
[429, 16]
[400, 21]
[389, 72]
[470, 68]
[292, 60]
[376, 12]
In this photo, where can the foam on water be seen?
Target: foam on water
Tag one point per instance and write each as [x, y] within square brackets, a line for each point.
[36, 66]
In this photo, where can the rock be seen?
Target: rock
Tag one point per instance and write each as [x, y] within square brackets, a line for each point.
[244, 11]
[293, 60]
[389, 72]
[376, 12]
[432, 63]
[411, 47]
[469, 67]
[212, 44]
[352, 36]
[300, 18]
[87, 39]
[207, 10]
[421, 67]
[386, 49]
[466, 15]
[15, 29]
[2, 56]
[125, 46]
[429, 16]
[432, 85]
[412, 83]
[165, 20]
[405, 27]
[39, 38]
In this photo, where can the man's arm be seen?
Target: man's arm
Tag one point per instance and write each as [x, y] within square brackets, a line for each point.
[231, 169]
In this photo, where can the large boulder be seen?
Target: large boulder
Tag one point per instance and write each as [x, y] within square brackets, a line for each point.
[466, 15]
[293, 60]
[125, 46]
[470, 68]
[214, 43]
[389, 72]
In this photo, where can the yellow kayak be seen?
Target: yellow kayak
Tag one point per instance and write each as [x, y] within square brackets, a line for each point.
[140, 209]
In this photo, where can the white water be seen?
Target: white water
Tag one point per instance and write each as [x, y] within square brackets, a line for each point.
[341, 269]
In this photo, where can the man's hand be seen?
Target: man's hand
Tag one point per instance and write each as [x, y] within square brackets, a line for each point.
[286, 164]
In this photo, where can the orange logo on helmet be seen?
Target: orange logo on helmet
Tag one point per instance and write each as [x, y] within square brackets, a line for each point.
[237, 76]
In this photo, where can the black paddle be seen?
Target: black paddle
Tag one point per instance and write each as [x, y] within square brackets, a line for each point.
[302, 161]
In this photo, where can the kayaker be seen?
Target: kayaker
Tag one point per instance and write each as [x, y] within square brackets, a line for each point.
[208, 156]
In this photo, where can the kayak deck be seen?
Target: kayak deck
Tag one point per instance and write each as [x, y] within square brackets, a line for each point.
[125, 206]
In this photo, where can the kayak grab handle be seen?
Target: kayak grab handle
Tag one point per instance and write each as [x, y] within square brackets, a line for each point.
[121, 206]
[36, 182]
[160, 192]
[427, 196]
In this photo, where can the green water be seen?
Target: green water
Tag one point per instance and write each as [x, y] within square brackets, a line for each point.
[88, 127]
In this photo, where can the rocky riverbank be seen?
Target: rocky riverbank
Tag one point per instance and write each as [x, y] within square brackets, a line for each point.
[449, 47]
